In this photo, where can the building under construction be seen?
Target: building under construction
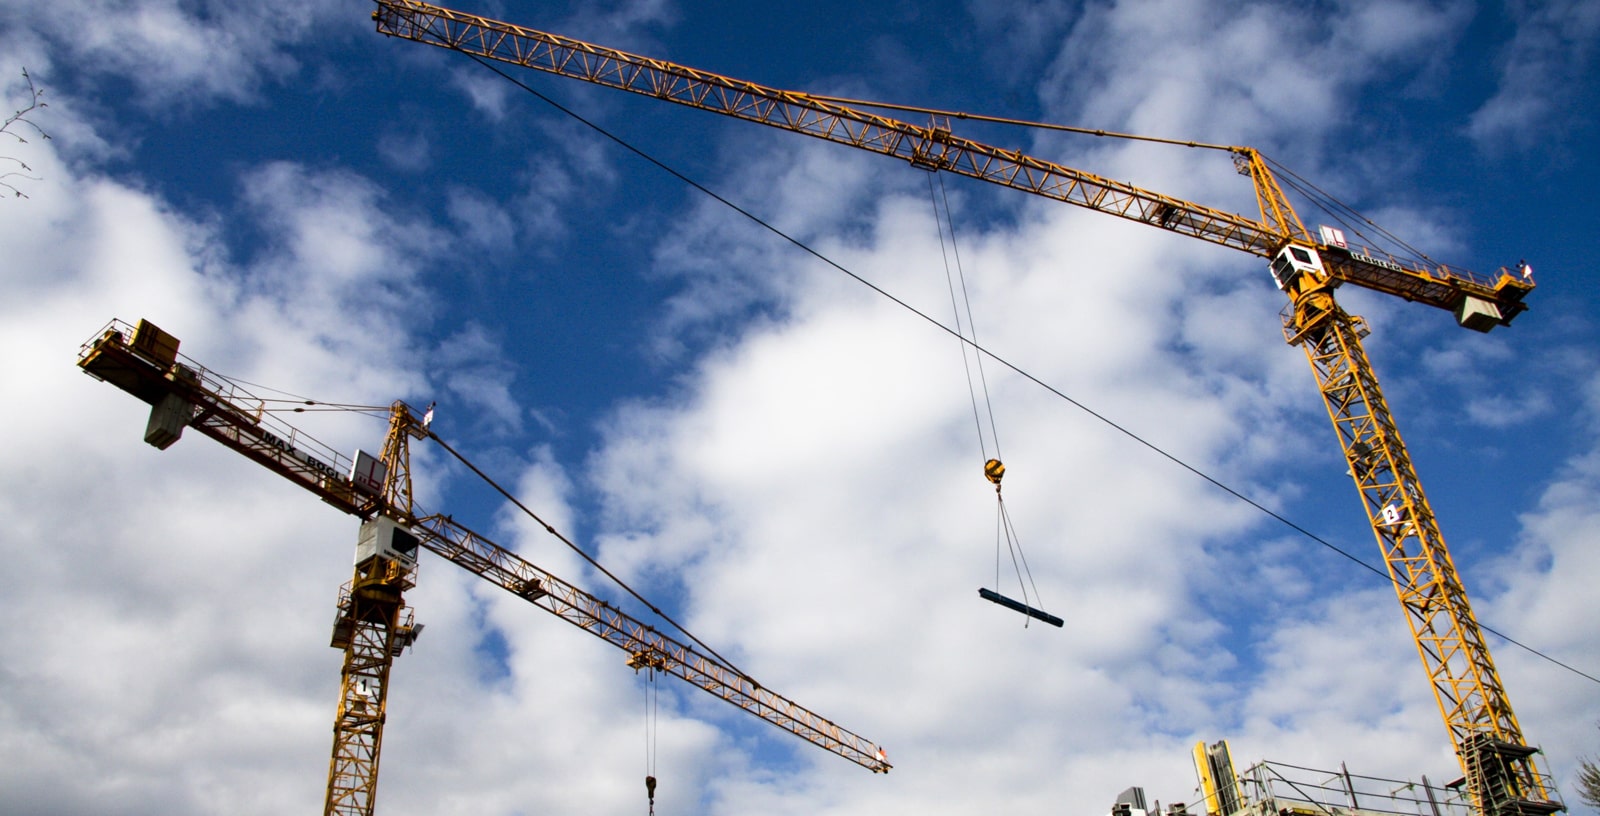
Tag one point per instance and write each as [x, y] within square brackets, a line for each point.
[1269, 788]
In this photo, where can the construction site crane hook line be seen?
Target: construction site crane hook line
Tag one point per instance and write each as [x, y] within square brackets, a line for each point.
[305, 402]
[586, 556]
[993, 469]
[1312, 193]
[1019, 561]
[1340, 211]
[312, 406]
[1001, 120]
[806, 248]
[960, 303]
[651, 728]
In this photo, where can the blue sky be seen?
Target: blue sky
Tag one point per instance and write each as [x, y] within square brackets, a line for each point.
[784, 459]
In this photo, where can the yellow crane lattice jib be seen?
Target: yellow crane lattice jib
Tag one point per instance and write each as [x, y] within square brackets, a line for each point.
[224, 412]
[935, 148]
[799, 112]
[396, 456]
[1276, 212]
[448, 539]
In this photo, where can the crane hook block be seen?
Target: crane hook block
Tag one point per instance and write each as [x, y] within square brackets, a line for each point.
[994, 470]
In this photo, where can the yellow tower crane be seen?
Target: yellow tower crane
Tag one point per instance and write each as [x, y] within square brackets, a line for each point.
[1502, 772]
[374, 625]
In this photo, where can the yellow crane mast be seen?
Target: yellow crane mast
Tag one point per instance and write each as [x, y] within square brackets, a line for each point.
[1502, 772]
[373, 625]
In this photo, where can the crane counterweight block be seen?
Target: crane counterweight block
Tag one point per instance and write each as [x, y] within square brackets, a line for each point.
[144, 362]
[168, 417]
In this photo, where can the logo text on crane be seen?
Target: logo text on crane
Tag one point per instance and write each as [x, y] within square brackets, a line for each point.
[327, 470]
[1368, 259]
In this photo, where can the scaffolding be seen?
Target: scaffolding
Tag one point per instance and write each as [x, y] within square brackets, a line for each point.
[1279, 789]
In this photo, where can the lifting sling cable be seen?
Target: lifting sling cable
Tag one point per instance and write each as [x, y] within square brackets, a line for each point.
[1058, 393]
[993, 469]
[498, 488]
[1019, 561]
[651, 728]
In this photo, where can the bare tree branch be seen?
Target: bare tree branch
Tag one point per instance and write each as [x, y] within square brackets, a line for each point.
[15, 122]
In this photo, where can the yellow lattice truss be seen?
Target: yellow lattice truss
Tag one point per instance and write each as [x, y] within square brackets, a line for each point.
[373, 627]
[1449, 639]
[1447, 635]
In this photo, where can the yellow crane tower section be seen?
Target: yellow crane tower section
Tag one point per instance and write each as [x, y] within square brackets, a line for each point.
[1502, 772]
[373, 625]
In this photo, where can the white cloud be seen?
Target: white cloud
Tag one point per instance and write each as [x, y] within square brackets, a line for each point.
[164, 609]
[1236, 73]
[621, 24]
[819, 493]
[1466, 365]
[1541, 68]
[133, 646]
[815, 485]
[487, 91]
[811, 484]
[476, 371]
[180, 53]
[480, 220]
[1543, 586]
[406, 151]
